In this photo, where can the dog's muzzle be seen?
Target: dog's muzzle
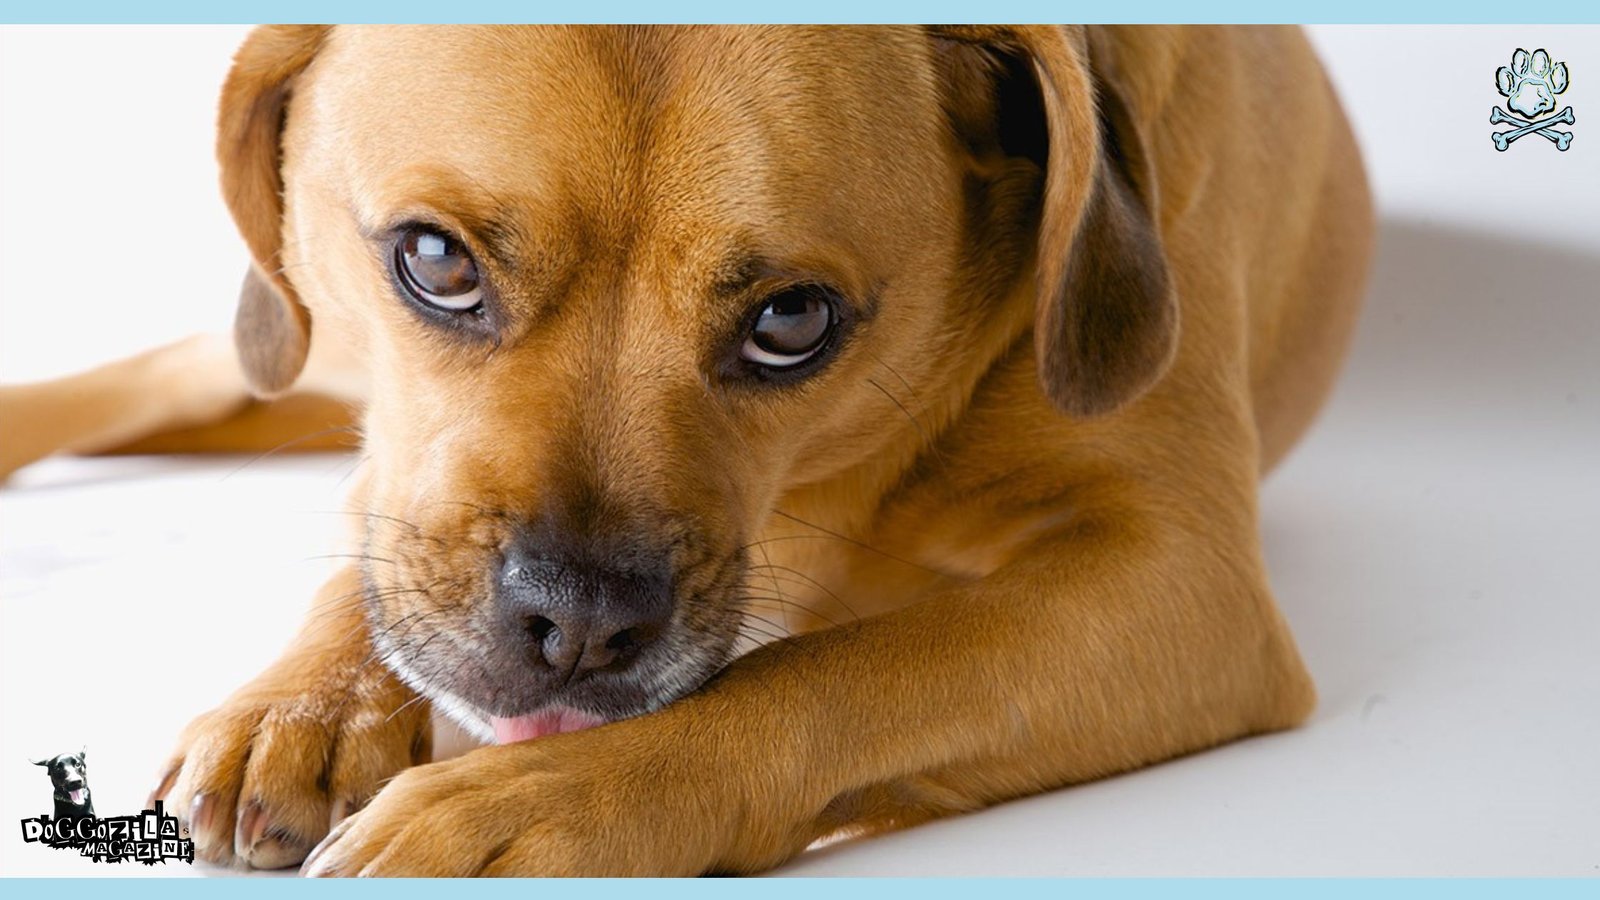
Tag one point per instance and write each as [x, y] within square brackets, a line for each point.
[571, 632]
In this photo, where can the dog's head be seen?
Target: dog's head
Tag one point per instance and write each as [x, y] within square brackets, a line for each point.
[69, 775]
[620, 290]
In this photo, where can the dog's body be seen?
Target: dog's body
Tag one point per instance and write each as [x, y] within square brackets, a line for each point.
[1082, 287]
[69, 785]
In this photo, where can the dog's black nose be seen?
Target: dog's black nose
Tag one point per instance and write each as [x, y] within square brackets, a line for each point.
[576, 615]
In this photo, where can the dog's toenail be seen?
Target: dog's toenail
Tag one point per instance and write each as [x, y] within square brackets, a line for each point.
[252, 825]
[315, 866]
[200, 814]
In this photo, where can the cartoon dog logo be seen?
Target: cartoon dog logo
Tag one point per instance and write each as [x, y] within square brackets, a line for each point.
[1530, 85]
[69, 777]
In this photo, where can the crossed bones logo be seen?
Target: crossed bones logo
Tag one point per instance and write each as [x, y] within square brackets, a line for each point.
[1530, 85]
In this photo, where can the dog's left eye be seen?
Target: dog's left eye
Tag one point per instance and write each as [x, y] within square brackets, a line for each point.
[437, 270]
[791, 327]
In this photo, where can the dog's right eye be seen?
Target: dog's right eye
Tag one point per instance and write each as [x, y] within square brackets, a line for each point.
[437, 271]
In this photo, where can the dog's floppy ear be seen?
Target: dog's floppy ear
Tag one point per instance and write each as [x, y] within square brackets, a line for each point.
[40, 762]
[272, 330]
[1106, 323]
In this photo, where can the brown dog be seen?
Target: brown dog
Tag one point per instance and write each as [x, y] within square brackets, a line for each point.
[956, 352]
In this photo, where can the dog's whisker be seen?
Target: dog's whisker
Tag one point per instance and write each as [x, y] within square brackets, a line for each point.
[369, 662]
[406, 705]
[815, 583]
[927, 440]
[765, 636]
[746, 614]
[747, 628]
[324, 608]
[367, 597]
[775, 585]
[369, 514]
[363, 513]
[787, 632]
[804, 677]
[348, 429]
[402, 620]
[762, 638]
[482, 510]
[416, 654]
[777, 604]
[478, 183]
[377, 637]
[361, 556]
[383, 657]
[833, 535]
[901, 378]
[335, 717]
[780, 572]
[361, 460]
[368, 592]
[772, 605]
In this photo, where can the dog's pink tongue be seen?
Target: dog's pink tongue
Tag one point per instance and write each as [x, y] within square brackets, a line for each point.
[551, 721]
[76, 795]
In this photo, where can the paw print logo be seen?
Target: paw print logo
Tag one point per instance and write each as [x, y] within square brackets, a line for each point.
[1530, 85]
[1531, 82]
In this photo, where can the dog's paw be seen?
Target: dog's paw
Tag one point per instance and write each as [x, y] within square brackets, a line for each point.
[261, 779]
[604, 802]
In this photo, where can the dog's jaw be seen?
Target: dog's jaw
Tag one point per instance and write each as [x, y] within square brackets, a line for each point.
[553, 719]
[685, 660]
[497, 729]
[456, 709]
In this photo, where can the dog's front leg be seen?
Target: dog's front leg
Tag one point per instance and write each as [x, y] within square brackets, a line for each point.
[262, 778]
[1115, 647]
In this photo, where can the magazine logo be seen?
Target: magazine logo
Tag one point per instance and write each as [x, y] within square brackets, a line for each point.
[150, 837]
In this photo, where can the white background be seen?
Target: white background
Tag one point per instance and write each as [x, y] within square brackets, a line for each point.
[1434, 542]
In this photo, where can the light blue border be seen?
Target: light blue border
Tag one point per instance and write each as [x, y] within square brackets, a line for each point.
[831, 888]
[1321, 11]
[1216, 11]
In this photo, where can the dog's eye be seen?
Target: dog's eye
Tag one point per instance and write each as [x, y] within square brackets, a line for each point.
[791, 328]
[437, 270]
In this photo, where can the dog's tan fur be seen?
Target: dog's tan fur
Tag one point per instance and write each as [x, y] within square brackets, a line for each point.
[1013, 523]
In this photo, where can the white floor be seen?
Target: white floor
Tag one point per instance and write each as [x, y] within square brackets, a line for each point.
[1435, 543]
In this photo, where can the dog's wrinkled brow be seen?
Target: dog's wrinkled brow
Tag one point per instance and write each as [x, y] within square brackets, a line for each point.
[738, 270]
[436, 196]
[742, 269]
[502, 241]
